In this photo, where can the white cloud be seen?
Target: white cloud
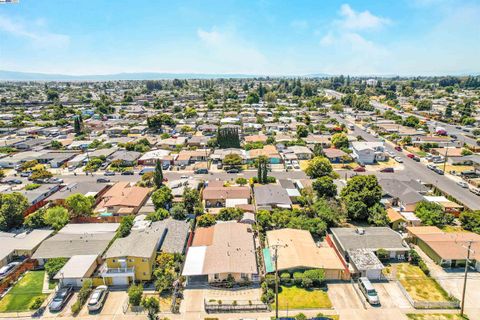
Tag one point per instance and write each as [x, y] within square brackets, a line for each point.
[36, 32]
[227, 49]
[354, 20]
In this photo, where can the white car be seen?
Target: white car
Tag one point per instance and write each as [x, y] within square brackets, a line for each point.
[96, 300]
[5, 270]
[398, 159]
[462, 184]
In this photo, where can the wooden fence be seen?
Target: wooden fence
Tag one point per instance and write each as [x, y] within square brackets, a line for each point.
[26, 265]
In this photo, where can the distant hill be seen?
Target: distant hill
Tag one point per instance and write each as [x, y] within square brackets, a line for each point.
[29, 76]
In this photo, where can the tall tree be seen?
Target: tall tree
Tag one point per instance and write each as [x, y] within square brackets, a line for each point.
[12, 207]
[158, 176]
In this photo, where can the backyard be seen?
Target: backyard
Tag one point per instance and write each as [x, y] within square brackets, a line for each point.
[299, 298]
[418, 285]
[435, 316]
[25, 291]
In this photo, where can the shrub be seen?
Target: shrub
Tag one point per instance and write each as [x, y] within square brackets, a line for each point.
[76, 307]
[271, 179]
[37, 303]
[423, 266]
[32, 186]
[268, 296]
[414, 258]
[135, 293]
[85, 291]
[285, 278]
[307, 282]
[382, 254]
[300, 316]
[52, 266]
[317, 276]
[270, 279]
[297, 278]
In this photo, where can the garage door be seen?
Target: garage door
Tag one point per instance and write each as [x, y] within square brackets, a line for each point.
[120, 281]
[193, 280]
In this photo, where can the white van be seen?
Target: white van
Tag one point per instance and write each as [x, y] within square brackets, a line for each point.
[474, 190]
[368, 291]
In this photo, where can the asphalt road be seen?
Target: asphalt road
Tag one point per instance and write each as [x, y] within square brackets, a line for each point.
[416, 170]
[451, 129]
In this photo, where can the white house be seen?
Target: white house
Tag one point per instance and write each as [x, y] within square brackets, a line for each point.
[368, 152]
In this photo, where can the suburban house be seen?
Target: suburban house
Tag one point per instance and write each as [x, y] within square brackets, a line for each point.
[396, 220]
[150, 158]
[271, 196]
[186, 157]
[125, 157]
[77, 239]
[368, 152]
[358, 247]
[218, 196]
[122, 199]
[448, 250]
[21, 244]
[404, 195]
[219, 154]
[268, 151]
[335, 155]
[77, 269]
[300, 152]
[297, 251]
[127, 261]
[86, 188]
[222, 252]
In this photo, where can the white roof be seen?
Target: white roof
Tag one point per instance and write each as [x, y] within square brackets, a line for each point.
[91, 228]
[155, 154]
[231, 203]
[293, 193]
[436, 199]
[77, 267]
[410, 216]
[194, 261]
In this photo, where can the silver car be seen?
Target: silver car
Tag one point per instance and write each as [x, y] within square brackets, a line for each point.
[97, 298]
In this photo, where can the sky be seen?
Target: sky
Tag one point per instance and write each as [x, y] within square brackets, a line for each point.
[264, 37]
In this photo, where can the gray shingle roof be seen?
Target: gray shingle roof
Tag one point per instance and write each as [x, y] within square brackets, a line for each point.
[373, 238]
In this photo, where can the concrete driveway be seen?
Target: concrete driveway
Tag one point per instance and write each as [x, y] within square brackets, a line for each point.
[391, 296]
[343, 296]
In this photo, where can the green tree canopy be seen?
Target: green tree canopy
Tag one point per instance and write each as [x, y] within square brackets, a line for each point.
[325, 187]
[318, 167]
[79, 205]
[57, 217]
[432, 214]
[12, 207]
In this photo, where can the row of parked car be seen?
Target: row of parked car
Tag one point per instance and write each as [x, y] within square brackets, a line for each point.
[95, 301]
[435, 169]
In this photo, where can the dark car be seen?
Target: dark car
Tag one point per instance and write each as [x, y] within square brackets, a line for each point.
[14, 181]
[388, 170]
[165, 166]
[440, 172]
[127, 173]
[398, 148]
[359, 169]
[417, 159]
[103, 180]
[233, 171]
[60, 298]
[201, 171]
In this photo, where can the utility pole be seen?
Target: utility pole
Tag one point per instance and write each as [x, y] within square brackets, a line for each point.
[445, 158]
[465, 277]
[275, 257]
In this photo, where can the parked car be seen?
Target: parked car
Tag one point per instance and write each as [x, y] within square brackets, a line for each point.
[359, 169]
[474, 190]
[104, 166]
[411, 155]
[60, 298]
[399, 160]
[54, 180]
[389, 170]
[431, 166]
[145, 170]
[103, 180]
[165, 166]
[398, 148]
[233, 170]
[368, 291]
[14, 181]
[219, 166]
[201, 171]
[5, 270]
[462, 184]
[127, 173]
[97, 298]
[109, 173]
[439, 171]
[417, 159]
[25, 174]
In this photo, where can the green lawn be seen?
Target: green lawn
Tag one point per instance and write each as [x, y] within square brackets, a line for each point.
[24, 292]
[418, 285]
[435, 316]
[299, 298]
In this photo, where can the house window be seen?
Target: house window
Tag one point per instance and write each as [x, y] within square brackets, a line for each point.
[114, 260]
[216, 276]
[132, 260]
[144, 273]
[244, 276]
[144, 260]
